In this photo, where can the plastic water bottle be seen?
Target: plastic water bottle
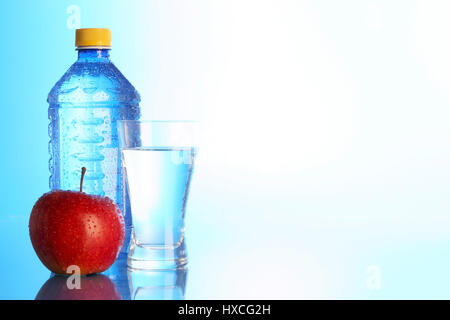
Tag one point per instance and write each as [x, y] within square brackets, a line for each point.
[84, 107]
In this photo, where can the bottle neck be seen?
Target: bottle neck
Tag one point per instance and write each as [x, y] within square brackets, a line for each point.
[93, 55]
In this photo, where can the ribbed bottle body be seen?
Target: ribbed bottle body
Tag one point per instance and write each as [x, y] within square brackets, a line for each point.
[84, 107]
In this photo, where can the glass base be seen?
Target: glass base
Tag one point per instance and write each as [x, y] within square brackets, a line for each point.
[156, 258]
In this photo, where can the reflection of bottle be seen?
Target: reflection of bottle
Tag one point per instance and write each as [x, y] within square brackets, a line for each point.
[157, 285]
[118, 274]
[85, 105]
[93, 287]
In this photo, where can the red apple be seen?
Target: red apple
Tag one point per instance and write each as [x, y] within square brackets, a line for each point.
[74, 228]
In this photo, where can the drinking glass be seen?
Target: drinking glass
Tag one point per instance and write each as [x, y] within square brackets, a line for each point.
[158, 160]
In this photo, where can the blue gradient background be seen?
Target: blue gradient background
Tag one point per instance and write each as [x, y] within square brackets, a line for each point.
[325, 126]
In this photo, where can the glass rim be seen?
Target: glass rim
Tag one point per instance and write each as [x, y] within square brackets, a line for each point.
[161, 133]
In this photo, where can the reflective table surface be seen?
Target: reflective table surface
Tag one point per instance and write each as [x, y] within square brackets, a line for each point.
[321, 259]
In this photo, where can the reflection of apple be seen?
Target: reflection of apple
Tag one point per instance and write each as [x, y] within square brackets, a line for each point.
[93, 287]
[74, 228]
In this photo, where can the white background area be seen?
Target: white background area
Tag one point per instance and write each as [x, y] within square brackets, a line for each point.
[324, 165]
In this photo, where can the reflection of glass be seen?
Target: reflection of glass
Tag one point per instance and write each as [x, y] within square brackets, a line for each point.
[93, 287]
[158, 160]
[157, 285]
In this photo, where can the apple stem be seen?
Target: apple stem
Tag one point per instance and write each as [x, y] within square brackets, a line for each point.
[83, 171]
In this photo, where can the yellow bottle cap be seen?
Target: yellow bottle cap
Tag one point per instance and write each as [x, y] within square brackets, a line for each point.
[93, 38]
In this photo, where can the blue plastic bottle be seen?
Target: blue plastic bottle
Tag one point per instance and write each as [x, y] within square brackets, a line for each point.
[84, 107]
